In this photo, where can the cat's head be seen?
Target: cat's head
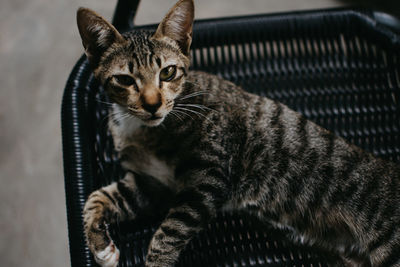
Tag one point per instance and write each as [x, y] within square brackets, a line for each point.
[142, 72]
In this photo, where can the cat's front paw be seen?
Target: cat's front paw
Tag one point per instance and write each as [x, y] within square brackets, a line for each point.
[108, 257]
[102, 246]
[97, 235]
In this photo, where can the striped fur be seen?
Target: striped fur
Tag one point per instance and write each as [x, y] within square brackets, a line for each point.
[216, 147]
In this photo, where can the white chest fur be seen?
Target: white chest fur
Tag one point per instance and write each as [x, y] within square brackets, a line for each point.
[150, 165]
[139, 158]
[122, 126]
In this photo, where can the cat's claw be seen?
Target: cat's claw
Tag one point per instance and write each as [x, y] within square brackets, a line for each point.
[108, 257]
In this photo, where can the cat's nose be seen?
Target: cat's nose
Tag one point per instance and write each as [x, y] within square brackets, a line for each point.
[152, 107]
[151, 101]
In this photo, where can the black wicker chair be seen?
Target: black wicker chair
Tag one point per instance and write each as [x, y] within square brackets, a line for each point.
[340, 68]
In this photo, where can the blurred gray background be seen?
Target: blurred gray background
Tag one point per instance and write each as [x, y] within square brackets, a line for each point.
[39, 44]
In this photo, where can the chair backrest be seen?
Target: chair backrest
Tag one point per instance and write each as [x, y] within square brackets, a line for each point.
[124, 14]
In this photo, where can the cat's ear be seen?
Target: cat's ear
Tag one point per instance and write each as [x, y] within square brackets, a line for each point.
[178, 24]
[97, 34]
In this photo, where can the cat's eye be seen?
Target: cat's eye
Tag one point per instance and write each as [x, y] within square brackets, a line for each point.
[125, 80]
[168, 73]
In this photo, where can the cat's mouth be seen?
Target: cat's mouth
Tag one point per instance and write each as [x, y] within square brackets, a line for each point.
[154, 117]
[153, 120]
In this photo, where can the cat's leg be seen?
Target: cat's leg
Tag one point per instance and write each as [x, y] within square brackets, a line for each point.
[119, 201]
[103, 207]
[195, 206]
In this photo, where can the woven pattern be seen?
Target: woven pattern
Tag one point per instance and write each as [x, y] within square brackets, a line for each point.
[338, 68]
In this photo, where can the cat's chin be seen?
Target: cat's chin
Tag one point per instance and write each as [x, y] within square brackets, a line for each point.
[153, 122]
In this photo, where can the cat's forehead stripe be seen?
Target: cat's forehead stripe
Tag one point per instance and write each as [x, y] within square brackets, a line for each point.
[130, 66]
[139, 41]
[135, 59]
[158, 60]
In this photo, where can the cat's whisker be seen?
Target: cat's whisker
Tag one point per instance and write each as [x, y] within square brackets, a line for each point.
[173, 112]
[202, 107]
[118, 120]
[122, 117]
[115, 114]
[193, 95]
[184, 113]
[195, 112]
[110, 114]
[178, 113]
[133, 111]
[121, 120]
[103, 102]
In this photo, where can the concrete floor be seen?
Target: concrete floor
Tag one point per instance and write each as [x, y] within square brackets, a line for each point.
[39, 44]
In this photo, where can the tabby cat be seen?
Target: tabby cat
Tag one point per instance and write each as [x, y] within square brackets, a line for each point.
[194, 144]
